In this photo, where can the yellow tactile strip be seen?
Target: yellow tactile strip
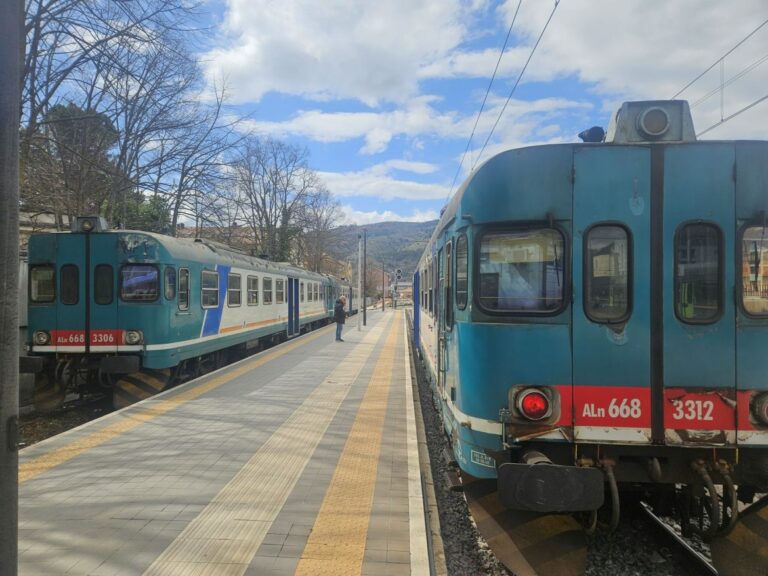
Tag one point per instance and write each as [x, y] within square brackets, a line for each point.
[131, 419]
[226, 535]
[336, 545]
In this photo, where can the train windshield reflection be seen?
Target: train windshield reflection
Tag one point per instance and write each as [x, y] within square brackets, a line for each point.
[522, 271]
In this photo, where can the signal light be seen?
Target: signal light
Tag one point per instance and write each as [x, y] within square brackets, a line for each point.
[533, 404]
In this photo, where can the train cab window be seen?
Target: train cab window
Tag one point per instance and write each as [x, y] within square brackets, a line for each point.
[267, 295]
[607, 270]
[103, 284]
[253, 290]
[279, 291]
[754, 271]
[522, 271]
[698, 273]
[209, 289]
[234, 291]
[42, 284]
[170, 282]
[139, 283]
[462, 271]
[183, 289]
[70, 284]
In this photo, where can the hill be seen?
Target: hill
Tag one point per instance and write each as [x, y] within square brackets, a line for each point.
[391, 244]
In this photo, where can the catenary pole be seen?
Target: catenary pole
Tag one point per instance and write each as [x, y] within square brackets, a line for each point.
[365, 276]
[359, 274]
[11, 58]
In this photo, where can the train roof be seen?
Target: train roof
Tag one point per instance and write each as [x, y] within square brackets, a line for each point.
[205, 251]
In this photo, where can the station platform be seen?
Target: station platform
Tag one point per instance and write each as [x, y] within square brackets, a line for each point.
[301, 460]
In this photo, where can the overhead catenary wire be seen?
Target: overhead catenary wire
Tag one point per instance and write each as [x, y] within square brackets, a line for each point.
[517, 82]
[485, 98]
[726, 119]
[716, 62]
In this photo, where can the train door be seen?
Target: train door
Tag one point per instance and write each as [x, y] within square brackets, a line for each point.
[72, 312]
[104, 333]
[611, 301]
[699, 365]
[293, 307]
[752, 315]
[440, 317]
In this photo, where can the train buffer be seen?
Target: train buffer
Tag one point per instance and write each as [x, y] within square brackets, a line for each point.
[299, 460]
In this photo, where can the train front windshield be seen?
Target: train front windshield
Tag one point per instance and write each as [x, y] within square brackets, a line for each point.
[522, 271]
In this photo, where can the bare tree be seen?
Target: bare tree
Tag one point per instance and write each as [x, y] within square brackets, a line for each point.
[318, 217]
[275, 183]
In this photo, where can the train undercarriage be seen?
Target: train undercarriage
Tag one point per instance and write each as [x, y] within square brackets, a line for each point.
[717, 494]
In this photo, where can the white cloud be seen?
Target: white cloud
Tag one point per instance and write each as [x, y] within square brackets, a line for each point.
[361, 218]
[377, 183]
[370, 51]
[418, 118]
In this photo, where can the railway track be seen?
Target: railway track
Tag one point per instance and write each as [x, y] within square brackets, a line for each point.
[677, 544]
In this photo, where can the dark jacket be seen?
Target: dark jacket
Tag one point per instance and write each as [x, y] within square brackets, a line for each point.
[338, 312]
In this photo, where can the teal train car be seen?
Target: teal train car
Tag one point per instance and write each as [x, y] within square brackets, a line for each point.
[134, 312]
[594, 316]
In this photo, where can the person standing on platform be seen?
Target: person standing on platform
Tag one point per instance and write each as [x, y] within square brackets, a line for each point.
[339, 317]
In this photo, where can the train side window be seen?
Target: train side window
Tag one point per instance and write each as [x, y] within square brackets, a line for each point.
[70, 285]
[607, 274]
[279, 291]
[522, 271]
[266, 297]
[301, 292]
[754, 271]
[103, 284]
[698, 273]
[253, 290]
[462, 271]
[234, 291]
[139, 283]
[317, 292]
[42, 284]
[210, 289]
[183, 289]
[170, 282]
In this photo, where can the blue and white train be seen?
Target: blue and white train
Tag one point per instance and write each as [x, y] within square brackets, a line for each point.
[136, 312]
[594, 316]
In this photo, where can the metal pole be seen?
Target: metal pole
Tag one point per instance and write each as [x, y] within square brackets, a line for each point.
[359, 273]
[11, 59]
[365, 276]
[383, 289]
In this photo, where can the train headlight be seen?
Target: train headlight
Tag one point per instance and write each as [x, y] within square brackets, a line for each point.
[533, 404]
[760, 408]
[654, 122]
[133, 337]
[41, 337]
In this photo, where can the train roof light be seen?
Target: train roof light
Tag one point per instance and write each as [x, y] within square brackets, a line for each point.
[534, 404]
[89, 224]
[651, 121]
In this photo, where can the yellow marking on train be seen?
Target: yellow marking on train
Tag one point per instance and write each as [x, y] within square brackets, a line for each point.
[336, 545]
[41, 464]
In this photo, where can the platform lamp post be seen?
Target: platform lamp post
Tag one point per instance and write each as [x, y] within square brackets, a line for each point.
[11, 59]
[365, 276]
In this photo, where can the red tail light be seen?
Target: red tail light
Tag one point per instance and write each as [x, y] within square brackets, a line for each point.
[533, 404]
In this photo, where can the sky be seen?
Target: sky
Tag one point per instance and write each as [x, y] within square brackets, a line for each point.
[385, 95]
